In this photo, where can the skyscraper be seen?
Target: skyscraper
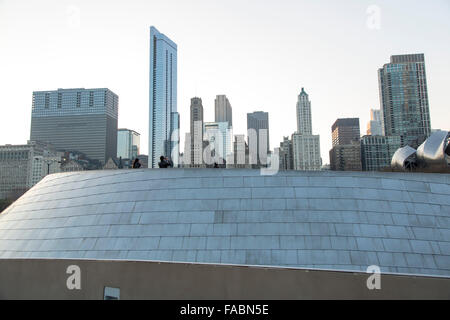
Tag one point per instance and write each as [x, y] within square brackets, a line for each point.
[346, 157]
[304, 121]
[164, 122]
[240, 153]
[82, 120]
[346, 152]
[305, 145]
[344, 131]
[223, 110]
[259, 122]
[286, 154]
[128, 144]
[219, 136]
[374, 127]
[196, 146]
[404, 99]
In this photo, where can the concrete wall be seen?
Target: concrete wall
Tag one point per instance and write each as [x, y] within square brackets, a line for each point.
[46, 279]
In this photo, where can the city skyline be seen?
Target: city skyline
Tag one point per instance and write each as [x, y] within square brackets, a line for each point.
[236, 73]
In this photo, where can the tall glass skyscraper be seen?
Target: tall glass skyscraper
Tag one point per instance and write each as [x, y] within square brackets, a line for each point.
[83, 120]
[164, 120]
[404, 99]
[259, 122]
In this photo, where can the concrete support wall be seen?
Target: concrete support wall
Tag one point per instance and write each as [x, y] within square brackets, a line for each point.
[46, 279]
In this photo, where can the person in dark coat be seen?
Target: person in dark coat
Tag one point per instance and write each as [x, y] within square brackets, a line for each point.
[165, 162]
[136, 164]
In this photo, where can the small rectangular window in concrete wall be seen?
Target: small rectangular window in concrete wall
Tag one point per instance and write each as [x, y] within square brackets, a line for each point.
[111, 293]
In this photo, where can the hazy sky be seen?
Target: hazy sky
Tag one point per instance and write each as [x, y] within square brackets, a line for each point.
[259, 53]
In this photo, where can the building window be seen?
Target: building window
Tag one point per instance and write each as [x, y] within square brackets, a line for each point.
[111, 293]
[59, 105]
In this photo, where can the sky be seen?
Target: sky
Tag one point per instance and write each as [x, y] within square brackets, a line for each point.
[260, 53]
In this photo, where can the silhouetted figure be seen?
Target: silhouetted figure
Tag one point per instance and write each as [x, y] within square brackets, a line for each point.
[216, 165]
[165, 162]
[136, 164]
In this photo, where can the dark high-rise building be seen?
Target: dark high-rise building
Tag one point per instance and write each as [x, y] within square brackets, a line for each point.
[346, 157]
[258, 123]
[82, 120]
[164, 120]
[196, 132]
[346, 152]
[404, 99]
[286, 154]
[344, 131]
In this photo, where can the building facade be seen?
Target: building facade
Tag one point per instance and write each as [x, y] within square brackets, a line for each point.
[258, 137]
[306, 150]
[346, 157]
[196, 145]
[305, 145]
[240, 153]
[345, 131]
[128, 144]
[82, 120]
[219, 137]
[304, 117]
[286, 154]
[377, 151]
[375, 127]
[22, 166]
[164, 122]
[223, 111]
[346, 152]
[404, 99]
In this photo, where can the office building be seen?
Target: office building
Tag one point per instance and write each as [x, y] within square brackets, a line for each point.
[404, 99]
[258, 137]
[196, 145]
[377, 151]
[128, 144]
[346, 157]
[286, 154]
[219, 136]
[304, 118]
[375, 127]
[346, 152]
[223, 110]
[305, 145]
[240, 153]
[344, 131]
[306, 150]
[164, 122]
[82, 120]
[22, 166]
